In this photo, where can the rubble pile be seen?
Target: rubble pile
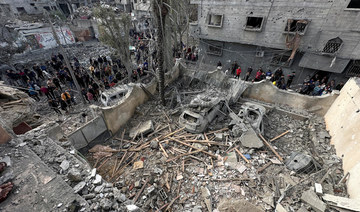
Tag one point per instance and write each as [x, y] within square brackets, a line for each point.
[72, 167]
[162, 165]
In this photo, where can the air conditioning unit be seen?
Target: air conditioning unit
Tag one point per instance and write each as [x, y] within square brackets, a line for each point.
[259, 54]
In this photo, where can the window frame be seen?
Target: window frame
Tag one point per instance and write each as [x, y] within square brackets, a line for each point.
[327, 53]
[351, 8]
[287, 65]
[254, 29]
[213, 53]
[296, 19]
[209, 18]
[353, 65]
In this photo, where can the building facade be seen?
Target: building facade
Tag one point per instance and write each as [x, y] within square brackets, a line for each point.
[306, 36]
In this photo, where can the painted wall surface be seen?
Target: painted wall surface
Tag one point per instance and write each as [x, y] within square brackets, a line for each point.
[46, 40]
[343, 122]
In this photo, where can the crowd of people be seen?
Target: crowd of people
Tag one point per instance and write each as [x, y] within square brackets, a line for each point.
[53, 80]
[315, 86]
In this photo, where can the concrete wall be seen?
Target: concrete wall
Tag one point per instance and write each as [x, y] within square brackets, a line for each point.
[117, 115]
[343, 122]
[37, 8]
[265, 91]
[245, 56]
[92, 131]
[328, 19]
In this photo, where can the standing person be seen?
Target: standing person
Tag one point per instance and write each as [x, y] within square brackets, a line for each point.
[258, 75]
[238, 72]
[63, 105]
[278, 74]
[51, 87]
[33, 94]
[233, 68]
[248, 73]
[219, 64]
[89, 96]
[280, 83]
[290, 79]
[84, 93]
[56, 82]
[67, 98]
[56, 93]
[45, 91]
[54, 106]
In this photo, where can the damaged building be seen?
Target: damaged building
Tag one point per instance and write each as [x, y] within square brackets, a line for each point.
[308, 37]
[246, 153]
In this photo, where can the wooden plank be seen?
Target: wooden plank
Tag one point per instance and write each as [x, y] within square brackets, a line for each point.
[279, 136]
[141, 190]
[261, 169]
[271, 148]
[162, 148]
[342, 202]
[243, 157]
[185, 154]
[210, 142]
[180, 142]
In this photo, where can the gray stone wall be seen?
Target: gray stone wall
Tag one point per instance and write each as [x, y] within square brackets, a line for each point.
[328, 19]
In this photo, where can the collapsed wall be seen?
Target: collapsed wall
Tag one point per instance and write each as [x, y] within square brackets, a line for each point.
[342, 120]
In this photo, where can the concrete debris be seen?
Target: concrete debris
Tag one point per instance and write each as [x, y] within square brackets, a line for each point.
[280, 208]
[65, 165]
[132, 208]
[144, 129]
[250, 139]
[74, 175]
[313, 200]
[79, 187]
[154, 144]
[206, 195]
[318, 188]
[342, 202]
[212, 154]
[237, 205]
[98, 180]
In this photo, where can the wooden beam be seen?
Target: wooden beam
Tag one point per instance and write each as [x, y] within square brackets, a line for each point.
[271, 148]
[279, 136]
[162, 148]
[243, 157]
[185, 144]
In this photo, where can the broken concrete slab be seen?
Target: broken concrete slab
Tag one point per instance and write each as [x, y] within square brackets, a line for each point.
[74, 175]
[205, 193]
[144, 129]
[227, 205]
[65, 165]
[79, 187]
[280, 208]
[98, 180]
[251, 140]
[342, 202]
[313, 200]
